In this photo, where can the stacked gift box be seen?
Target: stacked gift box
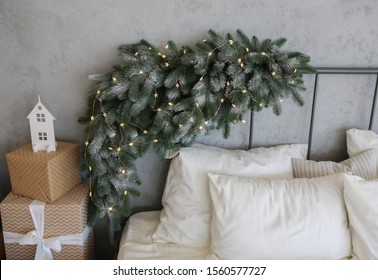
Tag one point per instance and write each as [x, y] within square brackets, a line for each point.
[45, 215]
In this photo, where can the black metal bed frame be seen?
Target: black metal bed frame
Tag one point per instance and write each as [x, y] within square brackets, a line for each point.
[115, 236]
[331, 71]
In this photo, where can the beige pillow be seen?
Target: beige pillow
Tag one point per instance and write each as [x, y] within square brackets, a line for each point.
[364, 164]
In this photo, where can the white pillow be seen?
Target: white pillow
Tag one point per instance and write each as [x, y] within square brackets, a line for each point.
[364, 164]
[360, 140]
[361, 199]
[186, 216]
[301, 218]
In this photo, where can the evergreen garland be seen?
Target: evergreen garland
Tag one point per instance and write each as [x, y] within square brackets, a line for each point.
[165, 99]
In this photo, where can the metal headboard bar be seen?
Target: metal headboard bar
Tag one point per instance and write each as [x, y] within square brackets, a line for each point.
[329, 71]
[340, 71]
[374, 104]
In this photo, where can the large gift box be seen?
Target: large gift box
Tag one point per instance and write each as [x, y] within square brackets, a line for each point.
[35, 229]
[2, 249]
[44, 176]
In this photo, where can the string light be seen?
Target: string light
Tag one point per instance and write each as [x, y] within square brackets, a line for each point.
[270, 65]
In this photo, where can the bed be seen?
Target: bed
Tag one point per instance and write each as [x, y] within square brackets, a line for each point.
[307, 197]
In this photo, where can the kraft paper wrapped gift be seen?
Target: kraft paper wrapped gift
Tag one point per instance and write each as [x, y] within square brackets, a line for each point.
[2, 249]
[44, 176]
[35, 229]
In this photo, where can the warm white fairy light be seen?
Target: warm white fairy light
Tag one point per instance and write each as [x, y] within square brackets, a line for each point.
[92, 118]
[86, 143]
[141, 72]
[131, 144]
[98, 91]
[122, 124]
[114, 79]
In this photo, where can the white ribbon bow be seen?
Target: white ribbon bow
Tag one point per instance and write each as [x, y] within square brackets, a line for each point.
[35, 237]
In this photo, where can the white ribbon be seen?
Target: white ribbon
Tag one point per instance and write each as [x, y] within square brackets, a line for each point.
[35, 237]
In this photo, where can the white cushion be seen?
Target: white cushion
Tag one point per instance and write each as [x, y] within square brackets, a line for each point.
[364, 164]
[361, 199]
[359, 140]
[302, 218]
[186, 215]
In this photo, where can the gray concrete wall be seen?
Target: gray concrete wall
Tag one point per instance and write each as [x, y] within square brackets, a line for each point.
[49, 47]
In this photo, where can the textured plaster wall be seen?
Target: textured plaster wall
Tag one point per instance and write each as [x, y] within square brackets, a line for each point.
[49, 47]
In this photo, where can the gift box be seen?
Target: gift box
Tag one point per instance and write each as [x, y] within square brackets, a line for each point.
[2, 248]
[44, 176]
[35, 229]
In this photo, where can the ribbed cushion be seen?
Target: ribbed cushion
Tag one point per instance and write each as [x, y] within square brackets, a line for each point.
[364, 164]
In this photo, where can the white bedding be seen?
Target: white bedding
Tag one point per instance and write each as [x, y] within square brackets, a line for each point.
[136, 242]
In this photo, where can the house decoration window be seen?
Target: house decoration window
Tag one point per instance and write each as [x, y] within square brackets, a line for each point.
[42, 136]
[41, 117]
[39, 107]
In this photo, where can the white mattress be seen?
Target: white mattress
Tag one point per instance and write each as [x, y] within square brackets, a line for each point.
[136, 242]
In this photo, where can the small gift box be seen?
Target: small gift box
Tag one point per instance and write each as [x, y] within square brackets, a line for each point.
[35, 229]
[44, 176]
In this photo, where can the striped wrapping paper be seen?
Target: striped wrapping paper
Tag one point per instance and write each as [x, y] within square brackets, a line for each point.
[66, 216]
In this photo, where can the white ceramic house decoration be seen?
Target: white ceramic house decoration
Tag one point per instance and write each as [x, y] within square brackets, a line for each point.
[42, 128]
